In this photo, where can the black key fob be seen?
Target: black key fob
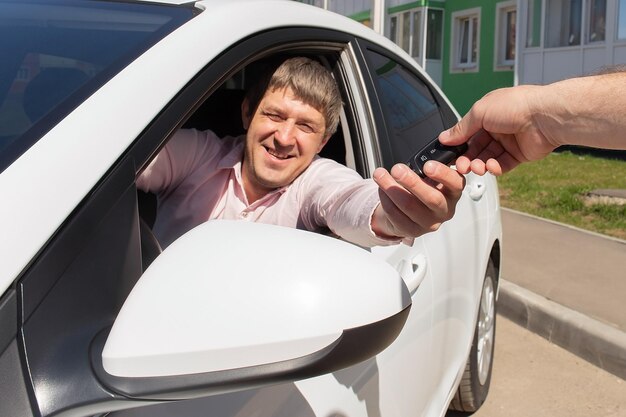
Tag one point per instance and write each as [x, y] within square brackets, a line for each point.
[435, 151]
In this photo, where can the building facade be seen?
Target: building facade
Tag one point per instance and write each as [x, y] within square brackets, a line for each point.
[470, 47]
[416, 26]
[564, 38]
[454, 40]
[479, 49]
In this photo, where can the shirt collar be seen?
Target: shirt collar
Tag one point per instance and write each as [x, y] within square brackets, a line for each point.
[234, 159]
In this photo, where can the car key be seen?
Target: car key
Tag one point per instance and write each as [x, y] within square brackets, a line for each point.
[436, 151]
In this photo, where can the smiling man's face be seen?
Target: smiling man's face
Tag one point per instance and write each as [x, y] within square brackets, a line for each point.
[284, 135]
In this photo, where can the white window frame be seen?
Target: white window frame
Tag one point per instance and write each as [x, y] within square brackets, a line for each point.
[502, 10]
[414, 36]
[443, 20]
[588, 24]
[458, 18]
[618, 22]
[557, 17]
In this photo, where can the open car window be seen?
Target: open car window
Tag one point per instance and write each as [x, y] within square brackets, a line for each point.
[220, 112]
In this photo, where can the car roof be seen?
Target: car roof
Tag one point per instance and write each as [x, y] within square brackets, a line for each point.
[283, 13]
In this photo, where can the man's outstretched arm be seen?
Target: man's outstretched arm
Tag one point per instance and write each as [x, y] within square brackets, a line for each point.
[513, 125]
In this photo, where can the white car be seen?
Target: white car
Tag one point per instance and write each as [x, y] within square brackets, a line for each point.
[304, 324]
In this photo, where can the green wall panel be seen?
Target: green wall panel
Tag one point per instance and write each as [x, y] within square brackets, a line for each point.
[464, 88]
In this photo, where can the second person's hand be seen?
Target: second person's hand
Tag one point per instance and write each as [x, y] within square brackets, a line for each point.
[500, 131]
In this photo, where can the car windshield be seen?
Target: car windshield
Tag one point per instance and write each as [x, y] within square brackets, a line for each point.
[57, 53]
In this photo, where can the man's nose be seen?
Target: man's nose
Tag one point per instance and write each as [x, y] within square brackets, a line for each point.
[285, 133]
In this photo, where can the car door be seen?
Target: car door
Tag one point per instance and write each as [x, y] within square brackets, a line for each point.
[454, 256]
[355, 391]
[399, 381]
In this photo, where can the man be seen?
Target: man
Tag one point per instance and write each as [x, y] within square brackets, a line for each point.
[274, 174]
[514, 125]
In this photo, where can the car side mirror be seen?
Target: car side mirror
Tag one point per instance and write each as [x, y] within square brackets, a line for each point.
[233, 305]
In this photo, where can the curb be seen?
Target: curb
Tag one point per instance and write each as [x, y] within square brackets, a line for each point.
[590, 339]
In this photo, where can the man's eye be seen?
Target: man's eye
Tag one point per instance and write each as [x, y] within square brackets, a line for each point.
[306, 128]
[274, 117]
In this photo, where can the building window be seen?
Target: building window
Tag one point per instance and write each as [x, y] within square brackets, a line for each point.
[533, 24]
[563, 22]
[416, 30]
[597, 21]
[405, 29]
[621, 22]
[506, 13]
[465, 37]
[434, 34]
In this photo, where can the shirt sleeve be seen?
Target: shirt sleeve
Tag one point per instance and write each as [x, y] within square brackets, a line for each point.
[337, 197]
[175, 162]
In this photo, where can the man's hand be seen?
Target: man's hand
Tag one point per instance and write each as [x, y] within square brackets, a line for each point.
[501, 132]
[512, 125]
[411, 206]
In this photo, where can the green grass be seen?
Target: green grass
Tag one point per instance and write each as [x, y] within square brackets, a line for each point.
[555, 187]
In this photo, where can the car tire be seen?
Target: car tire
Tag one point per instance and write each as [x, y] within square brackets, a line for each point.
[474, 386]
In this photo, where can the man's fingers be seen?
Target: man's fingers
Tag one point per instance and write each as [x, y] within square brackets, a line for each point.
[398, 223]
[462, 131]
[478, 167]
[487, 153]
[505, 163]
[416, 204]
[411, 206]
[468, 126]
[417, 188]
[491, 149]
[494, 167]
[452, 182]
[463, 164]
[478, 143]
[417, 198]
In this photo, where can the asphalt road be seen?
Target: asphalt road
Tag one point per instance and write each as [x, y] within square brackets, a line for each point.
[535, 378]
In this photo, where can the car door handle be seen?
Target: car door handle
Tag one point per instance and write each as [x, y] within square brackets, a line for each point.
[477, 190]
[413, 271]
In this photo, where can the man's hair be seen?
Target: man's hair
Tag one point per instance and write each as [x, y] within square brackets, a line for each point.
[309, 81]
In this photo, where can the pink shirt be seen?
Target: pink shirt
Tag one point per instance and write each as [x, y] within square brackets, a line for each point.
[197, 177]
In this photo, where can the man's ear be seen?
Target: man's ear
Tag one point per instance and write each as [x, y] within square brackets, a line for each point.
[324, 142]
[245, 113]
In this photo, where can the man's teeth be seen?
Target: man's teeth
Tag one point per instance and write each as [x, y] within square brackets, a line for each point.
[277, 155]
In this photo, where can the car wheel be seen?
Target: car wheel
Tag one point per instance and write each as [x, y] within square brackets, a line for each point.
[474, 386]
